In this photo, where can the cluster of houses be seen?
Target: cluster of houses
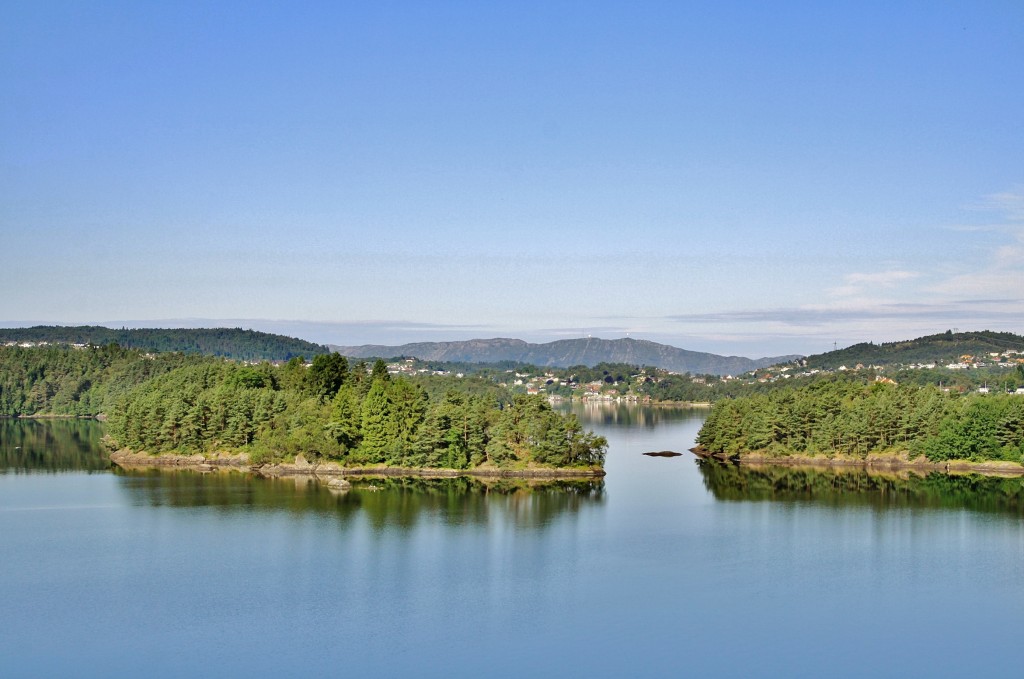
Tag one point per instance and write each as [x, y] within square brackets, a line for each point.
[30, 345]
[1006, 359]
[408, 367]
[546, 383]
[555, 386]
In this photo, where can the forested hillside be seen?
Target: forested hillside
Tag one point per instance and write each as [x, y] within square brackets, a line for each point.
[943, 348]
[189, 403]
[243, 345]
[61, 380]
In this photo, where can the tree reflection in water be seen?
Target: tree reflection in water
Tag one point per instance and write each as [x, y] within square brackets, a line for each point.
[855, 486]
[385, 501]
[51, 446]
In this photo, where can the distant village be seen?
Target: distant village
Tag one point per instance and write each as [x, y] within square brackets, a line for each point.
[1006, 360]
[29, 345]
[547, 382]
[557, 384]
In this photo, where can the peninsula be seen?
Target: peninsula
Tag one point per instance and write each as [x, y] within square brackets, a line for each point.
[177, 410]
[884, 425]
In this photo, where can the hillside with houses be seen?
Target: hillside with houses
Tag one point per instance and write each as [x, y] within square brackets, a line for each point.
[957, 350]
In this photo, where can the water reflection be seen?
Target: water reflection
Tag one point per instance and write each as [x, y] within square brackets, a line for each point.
[51, 446]
[400, 502]
[844, 487]
[632, 415]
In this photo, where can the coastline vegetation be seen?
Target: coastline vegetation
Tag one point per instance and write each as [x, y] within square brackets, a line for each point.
[414, 413]
[326, 410]
[848, 418]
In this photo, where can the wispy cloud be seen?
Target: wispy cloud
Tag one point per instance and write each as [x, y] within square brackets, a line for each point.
[856, 284]
[585, 330]
[986, 262]
[883, 278]
[1002, 271]
[1008, 203]
[801, 318]
[979, 285]
[813, 329]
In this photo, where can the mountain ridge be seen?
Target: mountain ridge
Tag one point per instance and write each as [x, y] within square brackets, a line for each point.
[234, 343]
[587, 351]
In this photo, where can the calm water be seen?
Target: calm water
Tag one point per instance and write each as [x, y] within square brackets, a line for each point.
[667, 568]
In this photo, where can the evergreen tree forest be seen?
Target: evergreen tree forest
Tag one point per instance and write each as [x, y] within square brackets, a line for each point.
[328, 409]
[64, 381]
[850, 418]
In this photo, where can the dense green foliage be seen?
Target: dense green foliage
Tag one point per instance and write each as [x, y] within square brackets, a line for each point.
[328, 409]
[60, 380]
[846, 417]
[437, 386]
[243, 345]
[359, 418]
[944, 347]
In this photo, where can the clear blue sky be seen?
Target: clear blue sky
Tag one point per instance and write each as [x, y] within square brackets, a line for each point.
[736, 177]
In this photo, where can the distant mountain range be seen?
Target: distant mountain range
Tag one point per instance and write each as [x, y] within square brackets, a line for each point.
[252, 345]
[565, 353]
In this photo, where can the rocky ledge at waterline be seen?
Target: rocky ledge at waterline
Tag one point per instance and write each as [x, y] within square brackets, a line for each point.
[300, 466]
[881, 461]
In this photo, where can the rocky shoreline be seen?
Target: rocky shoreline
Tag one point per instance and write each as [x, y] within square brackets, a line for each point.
[129, 459]
[890, 462]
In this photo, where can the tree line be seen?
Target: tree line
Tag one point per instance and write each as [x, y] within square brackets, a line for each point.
[328, 409]
[60, 380]
[236, 343]
[847, 417]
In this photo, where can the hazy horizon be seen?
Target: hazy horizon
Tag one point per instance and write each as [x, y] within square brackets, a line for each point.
[396, 334]
[730, 177]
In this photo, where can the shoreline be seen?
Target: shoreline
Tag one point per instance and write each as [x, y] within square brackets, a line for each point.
[331, 469]
[874, 462]
[48, 416]
[653, 404]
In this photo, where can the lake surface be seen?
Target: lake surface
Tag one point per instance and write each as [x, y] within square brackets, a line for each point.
[666, 568]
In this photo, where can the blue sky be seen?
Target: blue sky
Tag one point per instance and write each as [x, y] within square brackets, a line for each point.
[743, 178]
